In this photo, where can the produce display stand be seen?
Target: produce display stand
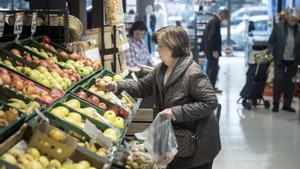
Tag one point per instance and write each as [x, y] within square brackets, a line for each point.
[41, 121]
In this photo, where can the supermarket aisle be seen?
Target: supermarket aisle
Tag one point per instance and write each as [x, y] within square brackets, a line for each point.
[256, 139]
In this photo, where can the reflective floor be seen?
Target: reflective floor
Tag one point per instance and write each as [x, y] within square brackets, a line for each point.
[256, 139]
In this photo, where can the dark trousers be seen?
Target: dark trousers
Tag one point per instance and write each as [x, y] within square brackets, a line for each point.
[283, 75]
[212, 69]
[205, 166]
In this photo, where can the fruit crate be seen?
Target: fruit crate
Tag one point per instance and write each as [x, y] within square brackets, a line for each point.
[57, 46]
[66, 126]
[13, 126]
[32, 43]
[7, 55]
[22, 75]
[25, 135]
[8, 94]
[110, 106]
[37, 86]
[32, 66]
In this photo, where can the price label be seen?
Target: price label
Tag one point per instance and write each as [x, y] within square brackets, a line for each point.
[133, 75]
[33, 22]
[119, 102]
[2, 22]
[19, 17]
[125, 73]
[128, 97]
[41, 115]
[96, 135]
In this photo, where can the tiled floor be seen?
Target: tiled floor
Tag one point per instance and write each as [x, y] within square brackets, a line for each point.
[256, 139]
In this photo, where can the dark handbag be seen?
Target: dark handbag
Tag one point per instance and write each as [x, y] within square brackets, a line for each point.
[187, 142]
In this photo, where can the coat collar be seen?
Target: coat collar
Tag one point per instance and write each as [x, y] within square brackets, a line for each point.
[180, 67]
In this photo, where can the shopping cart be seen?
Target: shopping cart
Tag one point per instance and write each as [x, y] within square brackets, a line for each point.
[257, 75]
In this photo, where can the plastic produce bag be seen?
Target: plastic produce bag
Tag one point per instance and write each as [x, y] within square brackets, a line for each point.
[160, 141]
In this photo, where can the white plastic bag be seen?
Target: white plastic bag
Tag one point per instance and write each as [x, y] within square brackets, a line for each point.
[160, 141]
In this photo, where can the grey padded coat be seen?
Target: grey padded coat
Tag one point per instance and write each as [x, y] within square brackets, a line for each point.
[190, 95]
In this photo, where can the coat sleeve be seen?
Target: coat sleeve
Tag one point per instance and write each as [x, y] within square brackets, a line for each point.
[205, 100]
[212, 38]
[272, 40]
[140, 89]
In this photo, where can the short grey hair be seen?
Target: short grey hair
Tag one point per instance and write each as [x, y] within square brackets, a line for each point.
[224, 11]
[293, 13]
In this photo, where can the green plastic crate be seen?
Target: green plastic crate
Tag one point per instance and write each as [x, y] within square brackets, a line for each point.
[13, 126]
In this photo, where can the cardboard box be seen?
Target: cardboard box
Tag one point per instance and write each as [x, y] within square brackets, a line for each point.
[144, 115]
[26, 132]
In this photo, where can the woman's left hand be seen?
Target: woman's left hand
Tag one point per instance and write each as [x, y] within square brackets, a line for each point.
[167, 113]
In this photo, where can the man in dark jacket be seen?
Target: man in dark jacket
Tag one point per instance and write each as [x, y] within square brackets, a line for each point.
[212, 45]
[284, 44]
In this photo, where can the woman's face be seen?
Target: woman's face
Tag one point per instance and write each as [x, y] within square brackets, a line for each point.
[165, 54]
[138, 35]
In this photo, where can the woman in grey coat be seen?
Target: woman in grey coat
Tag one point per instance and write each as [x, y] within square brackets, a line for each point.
[183, 93]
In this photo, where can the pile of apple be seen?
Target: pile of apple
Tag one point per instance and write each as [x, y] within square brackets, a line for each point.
[95, 100]
[27, 87]
[102, 152]
[74, 56]
[101, 85]
[32, 159]
[8, 116]
[49, 63]
[77, 120]
[22, 106]
[92, 99]
[109, 115]
[77, 66]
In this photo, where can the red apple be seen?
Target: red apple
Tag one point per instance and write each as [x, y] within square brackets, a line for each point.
[88, 62]
[115, 109]
[6, 79]
[46, 39]
[64, 54]
[16, 52]
[103, 106]
[123, 113]
[74, 56]
[50, 61]
[36, 62]
[15, 77]
[17, 84]
[3, 71]
[82, 94]
[93, 99]
[43, 63]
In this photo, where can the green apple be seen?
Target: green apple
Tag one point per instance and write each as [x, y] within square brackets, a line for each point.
[45, 82]
[70, 66]
[111, 134]
[34, 75]
[34, 49]
[19, 69]
[110, 116]
[57, 86]
[107, 78]
[64, 85]
[42, 69]
[75, 104]
[60, 111]
[7, 63]
[67, 81]
[83, 71]
[26, 70]
[119, 123]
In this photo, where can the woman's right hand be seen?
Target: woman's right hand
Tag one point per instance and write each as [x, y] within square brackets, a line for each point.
[111, 86]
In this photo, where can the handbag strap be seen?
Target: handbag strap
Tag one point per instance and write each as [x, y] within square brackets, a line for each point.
[194, 131]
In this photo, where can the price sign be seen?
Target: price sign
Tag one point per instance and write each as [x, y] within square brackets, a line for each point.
[33, 22]
[19, 17]
[96, 135]
[41, 115]
[2, 22]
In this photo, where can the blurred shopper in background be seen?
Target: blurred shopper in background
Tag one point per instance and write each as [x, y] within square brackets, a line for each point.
[137, 56]
[150, 20]
[161, 16]
[212, 45]
[284, 44]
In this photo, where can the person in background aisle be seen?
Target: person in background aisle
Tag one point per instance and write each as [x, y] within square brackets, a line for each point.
[161, 16]
[212, 45]
[137, 56]
[284, 44]
[183, 93]
[150, 20]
